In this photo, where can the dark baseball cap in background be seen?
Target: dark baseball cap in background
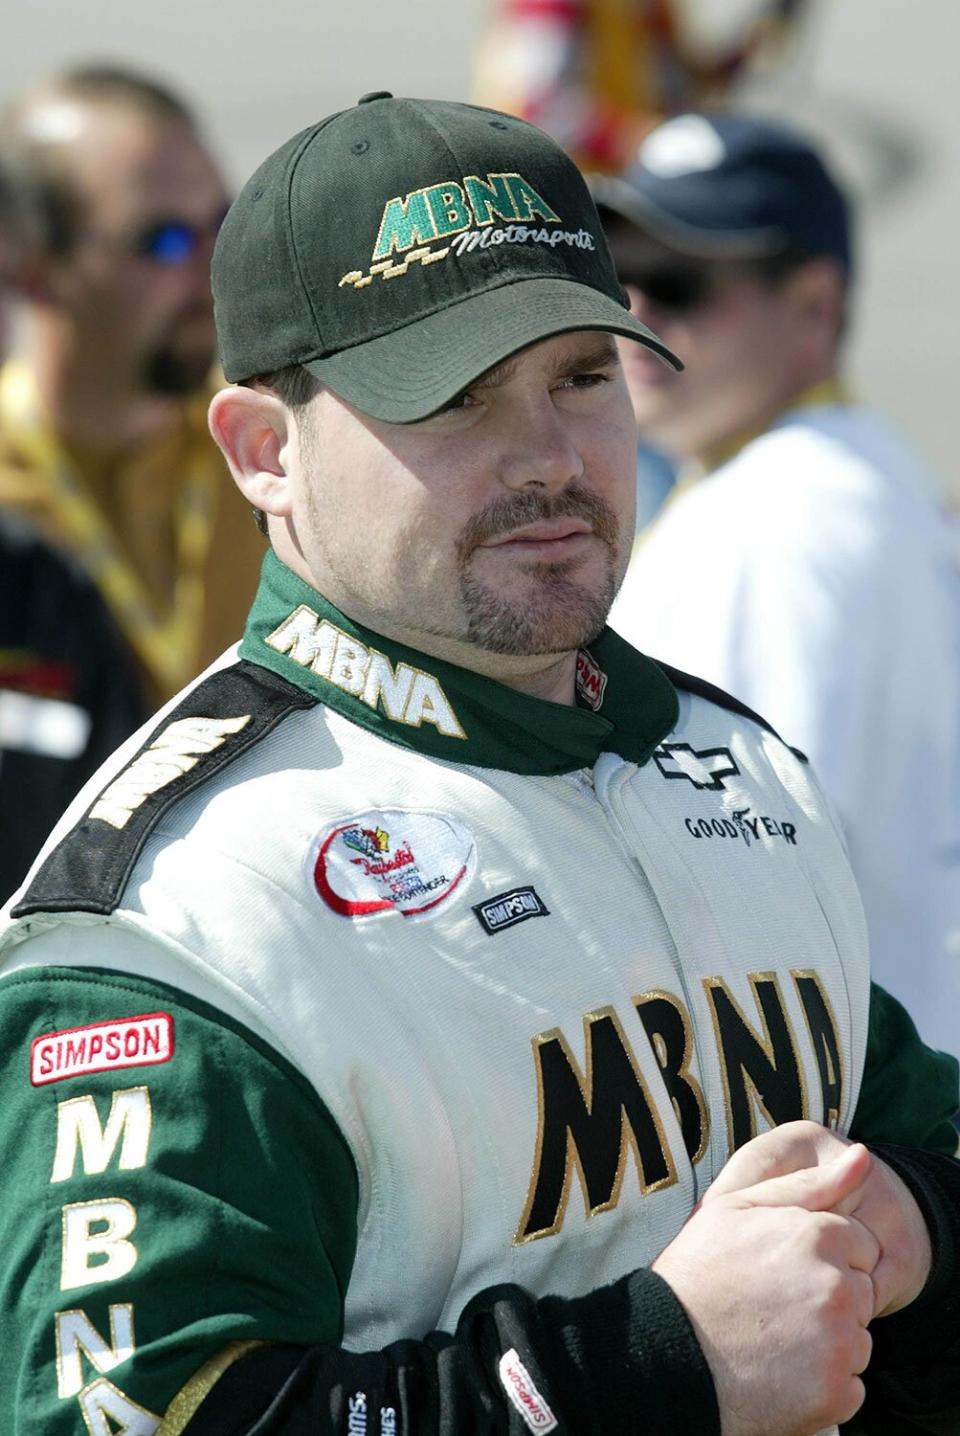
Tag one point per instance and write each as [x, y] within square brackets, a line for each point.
[730, 186]
[401, 248]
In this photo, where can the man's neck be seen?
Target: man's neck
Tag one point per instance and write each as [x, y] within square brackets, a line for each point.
[551, 676]
[556, 682]
[822, 388]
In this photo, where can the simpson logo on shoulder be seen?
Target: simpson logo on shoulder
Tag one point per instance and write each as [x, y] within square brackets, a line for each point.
[391, 861]
[139, 1041]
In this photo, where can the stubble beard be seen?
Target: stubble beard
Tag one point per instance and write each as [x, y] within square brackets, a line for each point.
[175, 369]
[175, 373]
[556, 613]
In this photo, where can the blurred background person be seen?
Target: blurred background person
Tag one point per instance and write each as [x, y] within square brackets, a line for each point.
[7, 230]
[599, 74]
[103, 438]
[69, 691]
[802, 563]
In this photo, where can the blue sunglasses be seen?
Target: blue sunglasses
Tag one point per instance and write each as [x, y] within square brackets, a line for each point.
[174, 241]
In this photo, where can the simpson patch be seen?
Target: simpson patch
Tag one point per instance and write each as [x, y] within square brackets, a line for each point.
[100, 1047]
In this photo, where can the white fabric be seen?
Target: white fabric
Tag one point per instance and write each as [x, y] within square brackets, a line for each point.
[813, 577]
[420, 1033]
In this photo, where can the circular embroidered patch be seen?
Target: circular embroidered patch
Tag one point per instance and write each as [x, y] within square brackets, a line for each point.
[392, 861]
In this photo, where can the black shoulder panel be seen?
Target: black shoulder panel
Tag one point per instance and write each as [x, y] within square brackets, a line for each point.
[88, 870]
[713, 694]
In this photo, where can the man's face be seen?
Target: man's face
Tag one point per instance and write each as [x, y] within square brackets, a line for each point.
[502, 523]
[732, 329]
[144, 314]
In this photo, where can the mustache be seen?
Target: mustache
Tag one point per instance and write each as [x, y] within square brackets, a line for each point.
[517, 510]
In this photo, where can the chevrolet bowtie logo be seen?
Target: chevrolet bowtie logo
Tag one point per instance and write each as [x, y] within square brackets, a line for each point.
[704, 768]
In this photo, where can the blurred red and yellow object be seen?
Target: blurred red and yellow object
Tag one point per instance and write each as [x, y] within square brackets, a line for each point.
[597, 74]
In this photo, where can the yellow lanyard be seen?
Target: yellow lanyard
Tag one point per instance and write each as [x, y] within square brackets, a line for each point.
[166, 645]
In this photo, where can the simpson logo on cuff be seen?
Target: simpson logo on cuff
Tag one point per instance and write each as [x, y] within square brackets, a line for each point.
[519, 1386]
[101, 1046]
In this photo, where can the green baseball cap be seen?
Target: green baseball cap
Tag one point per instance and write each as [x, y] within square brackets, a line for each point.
[401, 248]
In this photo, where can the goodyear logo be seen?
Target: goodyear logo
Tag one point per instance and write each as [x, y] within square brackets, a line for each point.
[467, 208]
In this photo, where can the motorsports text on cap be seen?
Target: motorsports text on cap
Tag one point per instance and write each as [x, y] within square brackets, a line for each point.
[454, 207]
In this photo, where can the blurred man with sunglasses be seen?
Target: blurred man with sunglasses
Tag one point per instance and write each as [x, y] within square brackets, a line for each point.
[56, 639]
[104, 447]
[802, 562]
[103, 401]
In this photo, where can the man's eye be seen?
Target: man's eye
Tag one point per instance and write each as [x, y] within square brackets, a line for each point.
[590, 380]
[459, 401]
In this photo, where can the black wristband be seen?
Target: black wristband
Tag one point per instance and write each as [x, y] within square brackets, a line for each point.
[623, 1357]
[932, 1321]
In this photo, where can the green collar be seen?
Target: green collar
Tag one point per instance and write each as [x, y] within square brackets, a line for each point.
[625, 704]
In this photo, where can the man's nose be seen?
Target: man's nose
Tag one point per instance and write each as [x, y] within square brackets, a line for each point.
[541, 451]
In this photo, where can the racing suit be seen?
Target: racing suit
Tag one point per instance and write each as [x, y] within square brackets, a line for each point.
[371, 1027]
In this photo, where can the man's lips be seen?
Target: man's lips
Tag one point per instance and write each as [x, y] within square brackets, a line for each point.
[541, 535]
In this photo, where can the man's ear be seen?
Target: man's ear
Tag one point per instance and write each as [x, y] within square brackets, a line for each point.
[252, 430]
[817, 293]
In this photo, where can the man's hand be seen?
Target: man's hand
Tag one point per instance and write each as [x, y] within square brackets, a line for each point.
[884, 1205]
[778, 1287]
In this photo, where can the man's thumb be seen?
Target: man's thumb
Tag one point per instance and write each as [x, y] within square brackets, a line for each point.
[818, 1189]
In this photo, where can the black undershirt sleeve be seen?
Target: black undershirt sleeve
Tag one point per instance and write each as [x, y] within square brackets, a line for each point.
[913, 1381]
[623, 1357]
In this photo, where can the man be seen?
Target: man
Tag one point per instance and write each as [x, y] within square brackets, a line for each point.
[7, 211]
[103, 441]
[802, 563]
[68, 689]
[332, 979]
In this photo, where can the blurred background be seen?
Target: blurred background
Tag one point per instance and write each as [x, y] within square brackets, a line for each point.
[875, 81]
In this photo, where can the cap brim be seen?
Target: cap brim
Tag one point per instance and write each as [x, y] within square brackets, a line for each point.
[611, 192]
[409, 374]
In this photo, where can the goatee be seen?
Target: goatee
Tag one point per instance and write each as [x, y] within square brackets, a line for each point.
[557, 614]
[176, 374]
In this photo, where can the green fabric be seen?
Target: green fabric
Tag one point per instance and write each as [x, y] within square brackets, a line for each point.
[401, 248]
[245, 1205]
[910, 1093]
[503, 728]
